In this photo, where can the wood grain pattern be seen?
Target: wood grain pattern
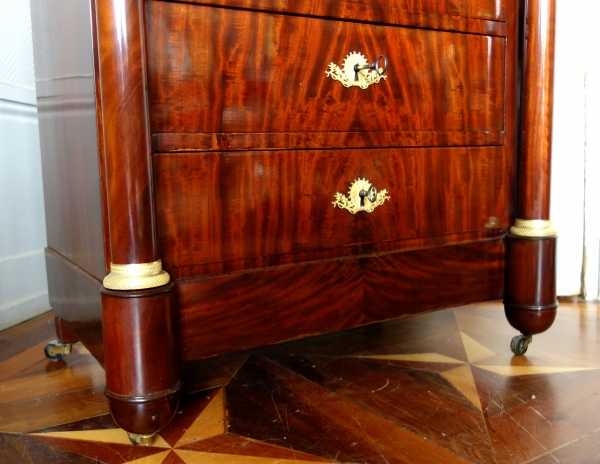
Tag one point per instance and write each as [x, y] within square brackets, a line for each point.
[75, 298]
[68, 133]
[64, 334]
[208, 79]
[350, 251]
[513, 69]
[437, 14]
[533, 173]
[430, 416]
[227, 313]
[222, 206]
[126, 136]
[530, 299]
[322, 394]
[18, 339]
[181, 142]
[325, 425]
[140, 361]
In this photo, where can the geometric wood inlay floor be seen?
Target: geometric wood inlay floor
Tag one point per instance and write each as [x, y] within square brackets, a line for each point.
[438, 387]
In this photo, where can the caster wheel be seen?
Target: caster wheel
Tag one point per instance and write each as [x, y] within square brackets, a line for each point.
[519, 344]
[140, 439]
[55, 350]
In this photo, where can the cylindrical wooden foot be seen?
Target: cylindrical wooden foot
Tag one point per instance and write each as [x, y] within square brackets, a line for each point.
[530, 294]
[140, 359]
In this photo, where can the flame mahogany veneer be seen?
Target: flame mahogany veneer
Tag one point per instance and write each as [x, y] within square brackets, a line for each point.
[208, 136]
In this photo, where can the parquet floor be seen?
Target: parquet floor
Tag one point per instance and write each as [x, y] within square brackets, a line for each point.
[439, 387]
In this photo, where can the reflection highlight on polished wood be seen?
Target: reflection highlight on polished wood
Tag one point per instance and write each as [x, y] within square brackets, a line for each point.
[437, 387]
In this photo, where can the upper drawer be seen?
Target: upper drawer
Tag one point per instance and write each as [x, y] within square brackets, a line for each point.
[233, 79]
[424, 13]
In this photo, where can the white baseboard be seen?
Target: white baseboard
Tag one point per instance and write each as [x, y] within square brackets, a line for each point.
[23, 310]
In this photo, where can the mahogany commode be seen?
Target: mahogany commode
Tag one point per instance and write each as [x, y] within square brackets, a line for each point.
[226, 174]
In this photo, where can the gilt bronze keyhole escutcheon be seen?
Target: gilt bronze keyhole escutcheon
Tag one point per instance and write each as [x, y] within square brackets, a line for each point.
[356, 71]
[362, 196]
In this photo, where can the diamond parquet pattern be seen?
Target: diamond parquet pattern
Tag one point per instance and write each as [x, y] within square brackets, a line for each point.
[440, 387]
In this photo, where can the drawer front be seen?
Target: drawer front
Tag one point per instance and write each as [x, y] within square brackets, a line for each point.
[214, 207]
[236, 79]
[383, 11]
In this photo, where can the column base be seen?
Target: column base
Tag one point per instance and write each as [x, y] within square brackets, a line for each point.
[140, 359]
[530, 293]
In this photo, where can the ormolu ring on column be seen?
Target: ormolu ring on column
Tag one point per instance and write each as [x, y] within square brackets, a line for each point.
[136, 276]
[533, 228]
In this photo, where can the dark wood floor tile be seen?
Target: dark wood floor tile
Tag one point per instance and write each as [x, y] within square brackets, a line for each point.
[102, 422]
[534, 414]
[242, 446]
[47, 453]
[455, 348]
[487, 384]
[210, 373]
[13, 449]
[109, 453]
[255, 403]
[173, 458]
[190, 407]
[23, 336]
[416, 365]
[269, 403]
[420, 401]
[584, 450]
[43, 412]
[411, 334]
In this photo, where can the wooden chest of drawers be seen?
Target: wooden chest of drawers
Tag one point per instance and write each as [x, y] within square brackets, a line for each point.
[295, 167]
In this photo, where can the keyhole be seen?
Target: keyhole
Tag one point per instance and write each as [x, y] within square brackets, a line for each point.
[371, 194]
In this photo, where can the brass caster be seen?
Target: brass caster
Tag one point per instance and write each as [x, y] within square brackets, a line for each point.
[519, 344]
[55, 350]
[140, 439]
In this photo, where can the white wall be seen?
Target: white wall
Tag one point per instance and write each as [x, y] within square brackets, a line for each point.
[577, 52]
[23, 287]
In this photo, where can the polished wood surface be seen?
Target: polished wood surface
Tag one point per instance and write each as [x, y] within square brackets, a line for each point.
[140, 360]
[422, 13]
[243, 310]
[248, 205]
[530, 296]
[201, 81]
[250, 141]
[440, 386]
[178, 141]
[68, 132]
[513, 69]
[64, 334]
[533, 171]
[126, 135]
[75, 298]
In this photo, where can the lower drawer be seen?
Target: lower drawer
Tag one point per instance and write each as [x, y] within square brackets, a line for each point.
[214, 207]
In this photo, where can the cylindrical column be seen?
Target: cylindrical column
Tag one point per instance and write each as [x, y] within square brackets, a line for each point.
[127, 146]
[126, 132]
[530, 294]
[533, 162]
[140, 359]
